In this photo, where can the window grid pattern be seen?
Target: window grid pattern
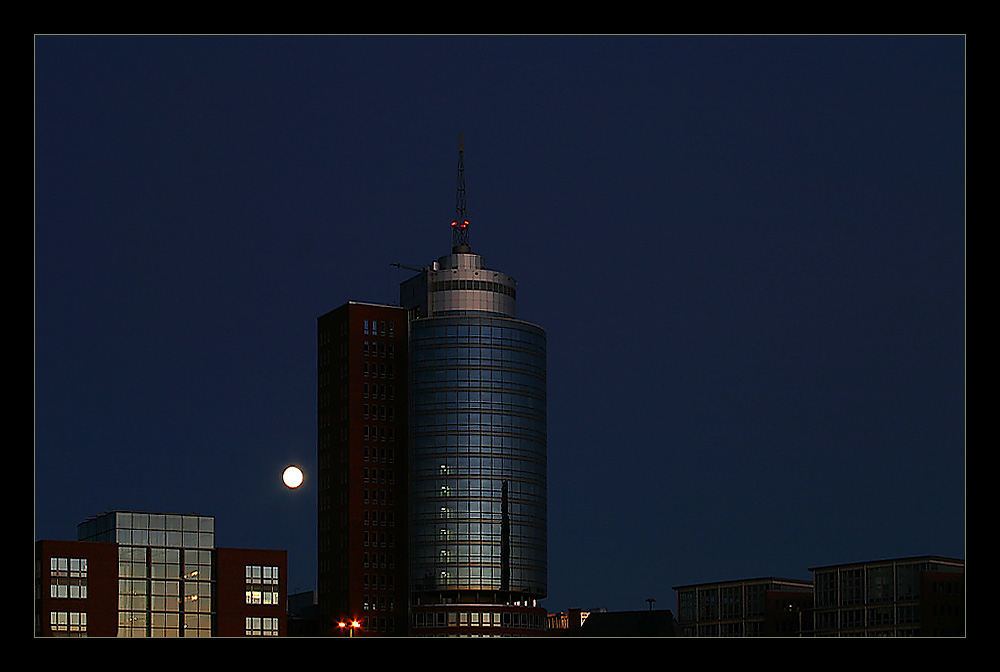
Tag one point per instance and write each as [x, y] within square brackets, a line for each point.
[68, 623]
[165, 581]
[68, 578]
[257, 626]
[478, 470]
[878, 599]
[262, 585]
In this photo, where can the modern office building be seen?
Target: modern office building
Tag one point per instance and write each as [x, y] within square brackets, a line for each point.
[362, 465]
[477, 523]
[761, 607]
[462, 433]
[138, 574]
[477, 453]
[904, 597]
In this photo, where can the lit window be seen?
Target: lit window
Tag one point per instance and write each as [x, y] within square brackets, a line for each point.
[262, 585]
[68, 578]
[261, 627]
[68, 623]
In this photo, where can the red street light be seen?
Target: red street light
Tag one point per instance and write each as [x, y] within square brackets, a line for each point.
[353, 625]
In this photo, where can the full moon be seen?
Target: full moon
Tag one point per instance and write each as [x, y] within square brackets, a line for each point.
[292, 476]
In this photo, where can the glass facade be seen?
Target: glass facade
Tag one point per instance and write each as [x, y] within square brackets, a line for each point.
[883, 598]
[164, 571]
[478, 455]
[744, 608]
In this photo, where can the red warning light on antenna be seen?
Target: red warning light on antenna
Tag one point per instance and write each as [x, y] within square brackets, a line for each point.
[454, 223]
[463, 224]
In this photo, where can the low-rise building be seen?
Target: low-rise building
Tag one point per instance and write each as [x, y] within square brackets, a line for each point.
[761, 607]
[920, 596]
[138, 574]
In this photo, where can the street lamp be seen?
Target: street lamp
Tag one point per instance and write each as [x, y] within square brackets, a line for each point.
[353, 625]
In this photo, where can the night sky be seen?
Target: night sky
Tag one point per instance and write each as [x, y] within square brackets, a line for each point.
[748, 253]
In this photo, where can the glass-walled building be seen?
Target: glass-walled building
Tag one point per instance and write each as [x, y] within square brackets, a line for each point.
[164, 571]
[758, 607]
[477, 453]
[921, 596]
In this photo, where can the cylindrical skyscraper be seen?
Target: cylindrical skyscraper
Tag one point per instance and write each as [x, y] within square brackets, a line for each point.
[477, 451]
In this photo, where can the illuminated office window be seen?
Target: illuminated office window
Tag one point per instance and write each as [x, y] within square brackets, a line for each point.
[68, 578]
[261, 627]
[262, 584]
[68, 623]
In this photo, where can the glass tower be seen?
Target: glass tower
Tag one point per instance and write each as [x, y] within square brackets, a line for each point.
[477, 452]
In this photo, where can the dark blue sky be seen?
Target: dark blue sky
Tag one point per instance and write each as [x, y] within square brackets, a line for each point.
[748, 253]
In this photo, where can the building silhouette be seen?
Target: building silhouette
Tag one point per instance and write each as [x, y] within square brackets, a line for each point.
[759, 607]
[640, 623]
[922, 596]
[140, 574]
[457, 441]
[362, 467]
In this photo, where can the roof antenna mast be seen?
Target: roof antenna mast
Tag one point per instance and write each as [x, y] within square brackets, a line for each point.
[460, 227]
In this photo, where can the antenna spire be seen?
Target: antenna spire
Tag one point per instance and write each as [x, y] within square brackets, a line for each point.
[460, 227]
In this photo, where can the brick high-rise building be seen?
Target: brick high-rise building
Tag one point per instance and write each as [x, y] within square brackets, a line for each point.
[362, 463]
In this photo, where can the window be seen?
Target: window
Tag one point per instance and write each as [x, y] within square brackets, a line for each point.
[851, 586]
[68, 623]
[687, 605]
[262, 584]
[261, 627]
[826, 588]
[852, 618]
[880, 585]
[68, 578]
[731, 602]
